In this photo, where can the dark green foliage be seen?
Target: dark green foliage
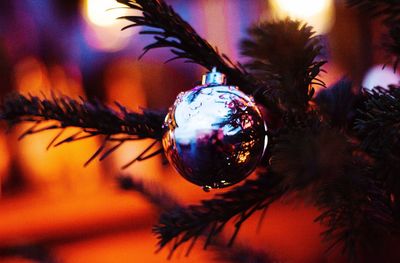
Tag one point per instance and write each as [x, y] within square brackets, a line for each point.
[285, 58]
[165, 202]
[306, 155]
[389, 10]
[378, 127]
[322, 165]
[94, 119]
[186, 224]
[356, 211]
[338, 104]
[379, 124]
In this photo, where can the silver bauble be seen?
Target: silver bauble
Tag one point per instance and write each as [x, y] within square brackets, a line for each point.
[214, 134]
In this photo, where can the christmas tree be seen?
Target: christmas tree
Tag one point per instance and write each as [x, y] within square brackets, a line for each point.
[336, 149]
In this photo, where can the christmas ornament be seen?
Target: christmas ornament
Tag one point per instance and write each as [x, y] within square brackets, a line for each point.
[214, 134]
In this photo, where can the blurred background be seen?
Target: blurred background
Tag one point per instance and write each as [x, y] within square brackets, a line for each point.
[52, 209]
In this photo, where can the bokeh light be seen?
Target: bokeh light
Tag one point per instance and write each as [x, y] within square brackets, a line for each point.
[380, 76]
[30, 75]
[104, 12]
[317, 13]
[103, 28]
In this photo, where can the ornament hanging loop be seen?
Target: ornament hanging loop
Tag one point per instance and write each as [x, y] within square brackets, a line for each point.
[214, 78]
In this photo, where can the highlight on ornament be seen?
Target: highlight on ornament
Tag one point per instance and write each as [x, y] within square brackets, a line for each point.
[214, 134]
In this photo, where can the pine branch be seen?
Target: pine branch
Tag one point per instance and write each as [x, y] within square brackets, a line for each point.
[389, 10]
[171, 31]
[378, 128]
[321, 164]
[285, 57]
[338, 104]
[165, 202]
[187, 224]
[93, 118]
[305, 155]
[378, 125]
[356, 211]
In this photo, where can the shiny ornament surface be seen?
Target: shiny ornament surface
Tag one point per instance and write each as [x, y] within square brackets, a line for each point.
[214, 134]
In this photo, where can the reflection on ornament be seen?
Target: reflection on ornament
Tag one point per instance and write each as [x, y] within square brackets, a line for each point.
[214, 134]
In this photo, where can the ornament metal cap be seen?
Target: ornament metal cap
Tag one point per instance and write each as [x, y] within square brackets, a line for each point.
[214, 78]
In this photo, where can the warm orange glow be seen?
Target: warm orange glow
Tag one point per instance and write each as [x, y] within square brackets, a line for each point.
[31, 75]
[16, 259]
[67, 81]
[133, 246]
[287, 232]
[40, 218]
[60, 169]
[124, 84]
[4, 160]
[124, 81]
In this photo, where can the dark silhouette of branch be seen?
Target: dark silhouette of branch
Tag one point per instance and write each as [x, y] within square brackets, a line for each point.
[182, 225]
[165, 202]
[339, 104]
[323, 166]
[171, 31]
[377, 127]
[356, 211]
[94, 119]
[285, 56]
[389, 10]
